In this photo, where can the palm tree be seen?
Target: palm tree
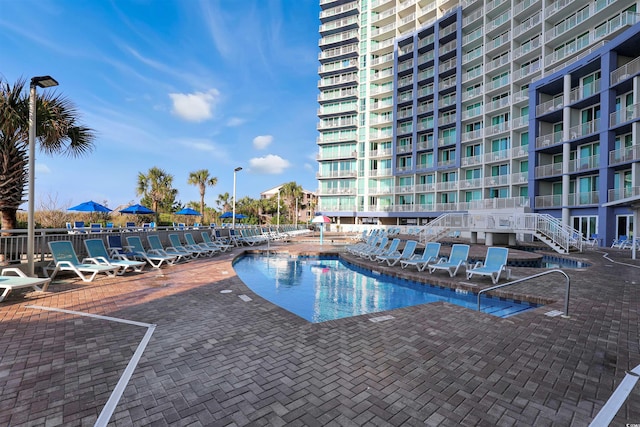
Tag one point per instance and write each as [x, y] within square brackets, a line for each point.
[224, 202]
[57, 132]
[291, 192]
[156, 187]
[202, 180]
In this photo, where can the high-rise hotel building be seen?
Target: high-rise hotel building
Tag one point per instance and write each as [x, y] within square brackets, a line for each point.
[435, 106]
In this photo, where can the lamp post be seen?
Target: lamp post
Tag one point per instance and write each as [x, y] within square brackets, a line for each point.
[233, 220]
[278, 209]
[43, 82]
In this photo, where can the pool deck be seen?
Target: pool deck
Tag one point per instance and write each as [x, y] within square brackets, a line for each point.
[235, 359]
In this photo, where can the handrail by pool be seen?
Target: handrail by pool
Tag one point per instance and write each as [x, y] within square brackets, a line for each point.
[566, 299]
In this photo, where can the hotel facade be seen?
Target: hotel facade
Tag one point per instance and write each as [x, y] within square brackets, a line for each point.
[432, 106]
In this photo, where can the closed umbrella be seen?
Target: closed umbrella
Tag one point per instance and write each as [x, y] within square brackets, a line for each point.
[322, 220]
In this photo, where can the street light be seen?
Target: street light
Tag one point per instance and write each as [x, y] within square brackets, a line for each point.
[278, 209]
[43, 82]
[233, 221]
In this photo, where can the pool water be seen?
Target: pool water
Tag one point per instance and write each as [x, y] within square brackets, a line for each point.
[320, 289]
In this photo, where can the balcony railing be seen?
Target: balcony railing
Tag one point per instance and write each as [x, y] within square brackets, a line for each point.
[579, 199]
[549, 106]
[632, 112]
[549, 139]
[545, 171]
[624, 155]
[584, 163]
[623, 193]
[626, 71]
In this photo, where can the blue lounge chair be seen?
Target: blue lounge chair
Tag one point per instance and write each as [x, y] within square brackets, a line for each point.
[154, 259]
[65, 259]
[430, 255]
[221, 246]
[393, 247]
[494, 264]
[18, 280]
[396, 257]
[98, 253]
[117, 248]
[193, 246]
[95, 228]
[457, 258]
[180, 253]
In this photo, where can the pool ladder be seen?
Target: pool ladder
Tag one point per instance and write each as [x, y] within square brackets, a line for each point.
[524, 279]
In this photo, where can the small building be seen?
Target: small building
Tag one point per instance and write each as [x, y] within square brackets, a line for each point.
[306, 205]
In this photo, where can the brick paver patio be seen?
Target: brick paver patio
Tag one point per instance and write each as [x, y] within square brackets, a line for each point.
[215, 359]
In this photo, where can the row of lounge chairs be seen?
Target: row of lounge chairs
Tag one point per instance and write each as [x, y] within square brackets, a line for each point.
[378, 248]
[119, 258]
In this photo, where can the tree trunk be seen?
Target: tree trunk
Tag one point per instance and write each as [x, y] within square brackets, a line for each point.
[9, 220]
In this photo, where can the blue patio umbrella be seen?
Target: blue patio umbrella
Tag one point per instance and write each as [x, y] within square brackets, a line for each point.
[226, 215]
[137, 210]
[188, 211]
[90, 206]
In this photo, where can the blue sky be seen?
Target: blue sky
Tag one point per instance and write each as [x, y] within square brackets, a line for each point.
[181, 85]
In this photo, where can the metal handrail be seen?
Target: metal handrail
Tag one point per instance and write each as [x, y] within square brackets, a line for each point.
[566, 299]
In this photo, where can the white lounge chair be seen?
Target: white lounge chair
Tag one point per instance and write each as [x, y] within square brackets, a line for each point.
[393, 259]
[457, 258]
[14, 278]
[65, 259]
[430, 255]
[154, 259]
[98, 253]
[494, 264]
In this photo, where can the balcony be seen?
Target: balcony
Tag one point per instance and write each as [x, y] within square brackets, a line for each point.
[335, 155]
[547, 171]
[550, 201]
[584, 163]
[623, 193]
[497, 156]
[624, 155]
[549, 106]
[337, 38]
[383, 152]
[471, 160]
[498, 180]
[338, 94]
[579, 199]
[425, 188]
[626, 71]
[470, 136]
[380, 172]
[519, 178]
[404, 148]
[447, 186]
[530, 23]
[339, 9]
[404, 189]
[337, 123]
[471, 183]
[337, 191]
[549, 139]
[582, 92]
[336, 174]
[338, 51]
[632, 112]
[583, 129]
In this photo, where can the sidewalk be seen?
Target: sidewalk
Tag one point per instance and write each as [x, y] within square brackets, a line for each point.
[216, 359]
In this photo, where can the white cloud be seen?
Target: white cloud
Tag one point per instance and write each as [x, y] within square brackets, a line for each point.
[261, 142]
[269, 164]
[195, 107]
[235, 121]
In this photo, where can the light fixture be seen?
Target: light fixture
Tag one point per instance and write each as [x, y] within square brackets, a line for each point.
[43, 82]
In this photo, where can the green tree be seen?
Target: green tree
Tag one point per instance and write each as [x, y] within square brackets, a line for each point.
[290, 192]
[224, 201]
[156, 189]
[202, 179]
[57, 132]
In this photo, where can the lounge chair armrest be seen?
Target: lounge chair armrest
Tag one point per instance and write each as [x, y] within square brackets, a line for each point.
[95, 260]
[478, 264]
[17, 272]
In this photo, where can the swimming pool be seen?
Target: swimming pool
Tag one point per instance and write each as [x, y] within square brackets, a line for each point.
[326, 288]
